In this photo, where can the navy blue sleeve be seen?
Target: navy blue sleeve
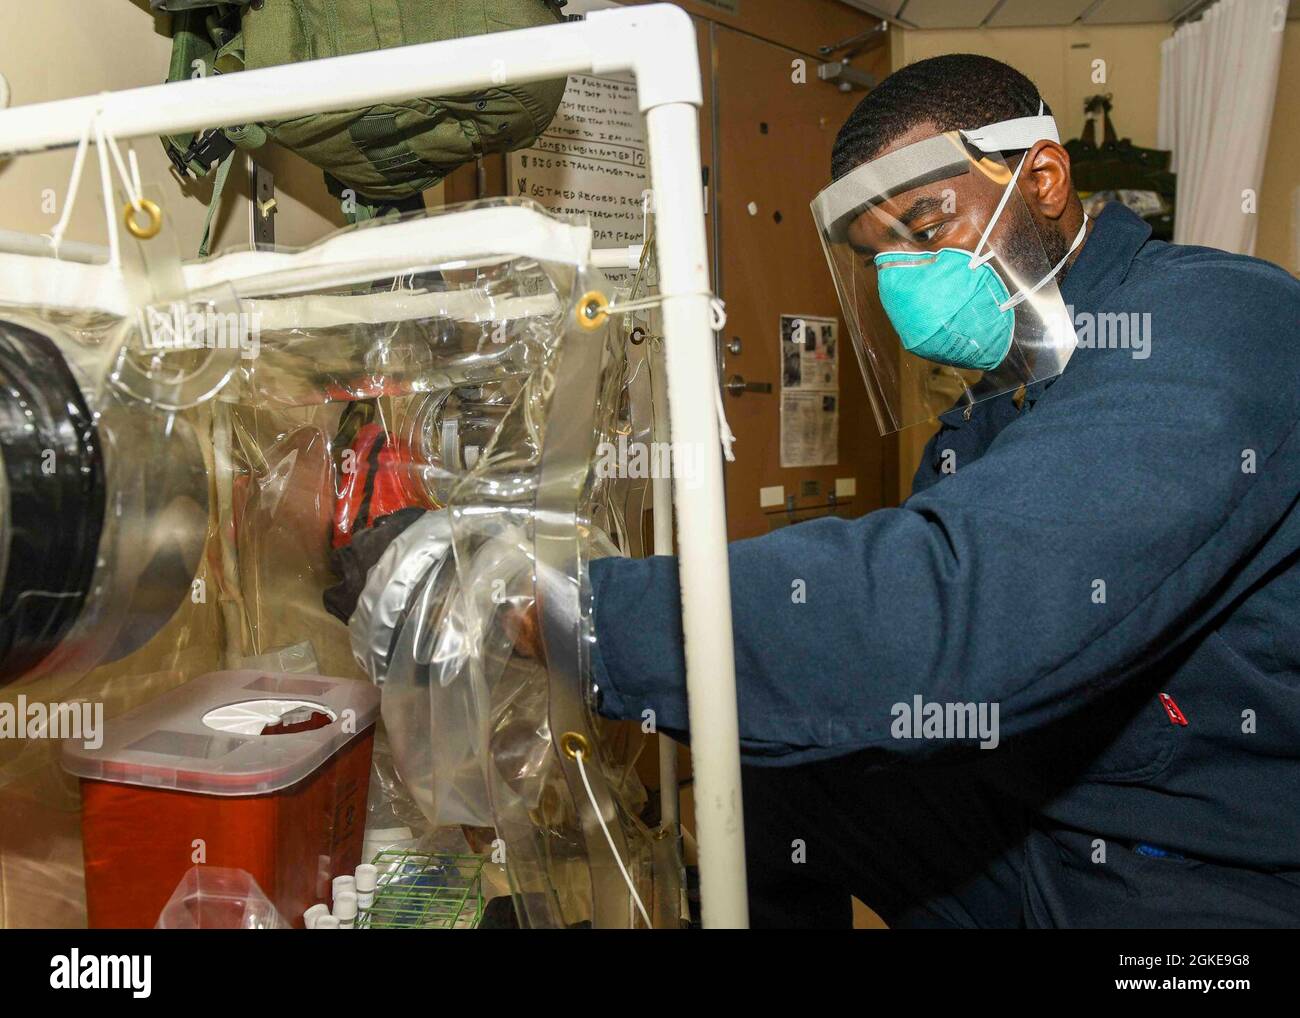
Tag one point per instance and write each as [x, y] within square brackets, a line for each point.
[1080, 548]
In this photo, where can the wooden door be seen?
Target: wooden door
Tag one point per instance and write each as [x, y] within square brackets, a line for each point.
[774, 125]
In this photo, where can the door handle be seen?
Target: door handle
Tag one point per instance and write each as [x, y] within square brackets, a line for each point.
[737, 386]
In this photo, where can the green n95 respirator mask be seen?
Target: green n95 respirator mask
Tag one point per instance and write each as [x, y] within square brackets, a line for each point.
[945, 310]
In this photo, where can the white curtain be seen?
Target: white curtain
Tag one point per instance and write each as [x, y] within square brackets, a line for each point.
[1218, 80]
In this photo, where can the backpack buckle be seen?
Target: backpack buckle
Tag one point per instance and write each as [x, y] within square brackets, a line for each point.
[207, 149]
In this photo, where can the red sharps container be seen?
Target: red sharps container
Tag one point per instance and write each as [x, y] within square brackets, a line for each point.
[264, 772]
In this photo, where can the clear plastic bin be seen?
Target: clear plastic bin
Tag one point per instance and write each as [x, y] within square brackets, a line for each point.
[217, 898]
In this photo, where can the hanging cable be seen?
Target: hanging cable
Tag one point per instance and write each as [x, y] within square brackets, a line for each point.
[717, 322]
[74, 185]
[130, 179]
[725, 434]
[106, 189]
[609, 838]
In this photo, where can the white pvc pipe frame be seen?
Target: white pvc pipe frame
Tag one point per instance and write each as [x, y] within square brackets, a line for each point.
[656, 43]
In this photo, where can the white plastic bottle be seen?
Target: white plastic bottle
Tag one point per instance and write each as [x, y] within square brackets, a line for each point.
[367, 879]
[345, 909]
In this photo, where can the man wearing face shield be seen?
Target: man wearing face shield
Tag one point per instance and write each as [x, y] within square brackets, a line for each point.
[1059, 685]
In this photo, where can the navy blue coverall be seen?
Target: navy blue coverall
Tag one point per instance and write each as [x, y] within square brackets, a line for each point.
[1131, 529]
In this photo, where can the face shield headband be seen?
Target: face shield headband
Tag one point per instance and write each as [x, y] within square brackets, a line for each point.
[938, 158]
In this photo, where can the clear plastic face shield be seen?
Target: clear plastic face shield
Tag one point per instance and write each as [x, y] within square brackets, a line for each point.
[946, 287]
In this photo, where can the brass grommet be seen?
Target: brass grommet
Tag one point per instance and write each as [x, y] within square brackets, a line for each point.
[591, 313]
[151, 209]
[573, 743]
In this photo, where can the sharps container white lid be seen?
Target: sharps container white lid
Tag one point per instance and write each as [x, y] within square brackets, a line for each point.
[230, 733]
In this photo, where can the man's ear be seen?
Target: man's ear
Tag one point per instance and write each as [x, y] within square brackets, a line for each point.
[1047, 184]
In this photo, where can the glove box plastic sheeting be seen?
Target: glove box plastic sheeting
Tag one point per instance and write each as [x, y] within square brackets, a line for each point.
[189, 778]
[455, 333]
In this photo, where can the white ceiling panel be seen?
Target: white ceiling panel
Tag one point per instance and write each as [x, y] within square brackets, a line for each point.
[1020, 13]
[945, 13]
[1127, 12]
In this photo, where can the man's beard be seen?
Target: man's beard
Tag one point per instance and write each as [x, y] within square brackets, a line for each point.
[1032, 249]
[1029, 250]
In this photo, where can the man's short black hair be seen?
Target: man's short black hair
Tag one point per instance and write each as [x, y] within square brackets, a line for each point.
[956, 91]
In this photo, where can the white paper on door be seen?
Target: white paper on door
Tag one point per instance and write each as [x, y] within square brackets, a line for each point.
[810, 391]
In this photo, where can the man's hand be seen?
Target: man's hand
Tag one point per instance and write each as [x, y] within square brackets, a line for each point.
[523, 625]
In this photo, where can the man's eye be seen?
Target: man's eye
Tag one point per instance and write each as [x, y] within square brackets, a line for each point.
[927, 233]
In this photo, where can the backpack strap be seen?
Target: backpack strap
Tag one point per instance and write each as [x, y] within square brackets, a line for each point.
[205, 40]
[193, 153]
[218, 185]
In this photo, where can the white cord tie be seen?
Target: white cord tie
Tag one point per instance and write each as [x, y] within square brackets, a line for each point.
[717, 322]
[717, 309]
[108, 148]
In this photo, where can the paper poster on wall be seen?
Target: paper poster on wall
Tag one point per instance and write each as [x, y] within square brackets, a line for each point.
[810, 391]
[592, 159]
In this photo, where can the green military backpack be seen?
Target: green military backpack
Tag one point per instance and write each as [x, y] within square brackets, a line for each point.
[386, 154]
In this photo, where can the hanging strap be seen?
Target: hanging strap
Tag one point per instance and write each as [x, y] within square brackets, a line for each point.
[218, 185]
[1108, 136]
[977, 259]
